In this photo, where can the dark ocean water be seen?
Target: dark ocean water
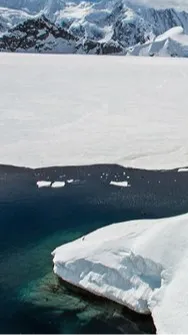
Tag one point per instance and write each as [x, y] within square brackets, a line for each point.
[34, 221]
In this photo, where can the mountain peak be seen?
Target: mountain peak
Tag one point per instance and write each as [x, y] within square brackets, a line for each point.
[116, 26]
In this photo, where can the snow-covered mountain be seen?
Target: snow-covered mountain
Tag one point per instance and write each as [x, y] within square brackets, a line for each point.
[101, 27]
[27, 5]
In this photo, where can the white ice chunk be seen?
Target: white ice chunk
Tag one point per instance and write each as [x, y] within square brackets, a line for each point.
[120, 183]
[183, 170]
[70, 181]
[58, 184]
[43, 183]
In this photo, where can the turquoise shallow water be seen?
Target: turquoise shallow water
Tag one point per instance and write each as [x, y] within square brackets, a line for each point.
[34, 302]
[34, 221]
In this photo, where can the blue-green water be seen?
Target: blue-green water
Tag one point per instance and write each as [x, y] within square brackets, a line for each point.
[34, 221]
[33, 302]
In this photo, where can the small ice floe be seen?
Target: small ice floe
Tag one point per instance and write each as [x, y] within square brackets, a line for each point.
[75, 181]
[70, 181]
[58, 184]
[120, 183]
[43, 183]
[183, 170]
[55, 184]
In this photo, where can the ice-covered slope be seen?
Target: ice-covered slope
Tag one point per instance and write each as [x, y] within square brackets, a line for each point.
[85, 110]
[141, 264]
[27, 5]
[11, 17]
[172, 43]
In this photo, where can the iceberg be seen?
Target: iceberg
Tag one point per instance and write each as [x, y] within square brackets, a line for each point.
[43, 183]
[140, 264]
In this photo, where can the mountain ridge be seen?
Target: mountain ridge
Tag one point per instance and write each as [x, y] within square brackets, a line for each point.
[113, 27]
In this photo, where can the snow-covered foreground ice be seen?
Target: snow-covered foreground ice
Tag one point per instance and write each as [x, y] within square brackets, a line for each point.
[72, 110]
[141, 264]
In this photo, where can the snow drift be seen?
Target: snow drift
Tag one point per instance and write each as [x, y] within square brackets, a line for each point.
[141, 264]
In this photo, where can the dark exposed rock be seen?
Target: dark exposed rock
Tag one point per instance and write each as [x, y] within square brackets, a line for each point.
[162, 20]
[110, 48]
[31, 33]
[100, 48]
[129, 33]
